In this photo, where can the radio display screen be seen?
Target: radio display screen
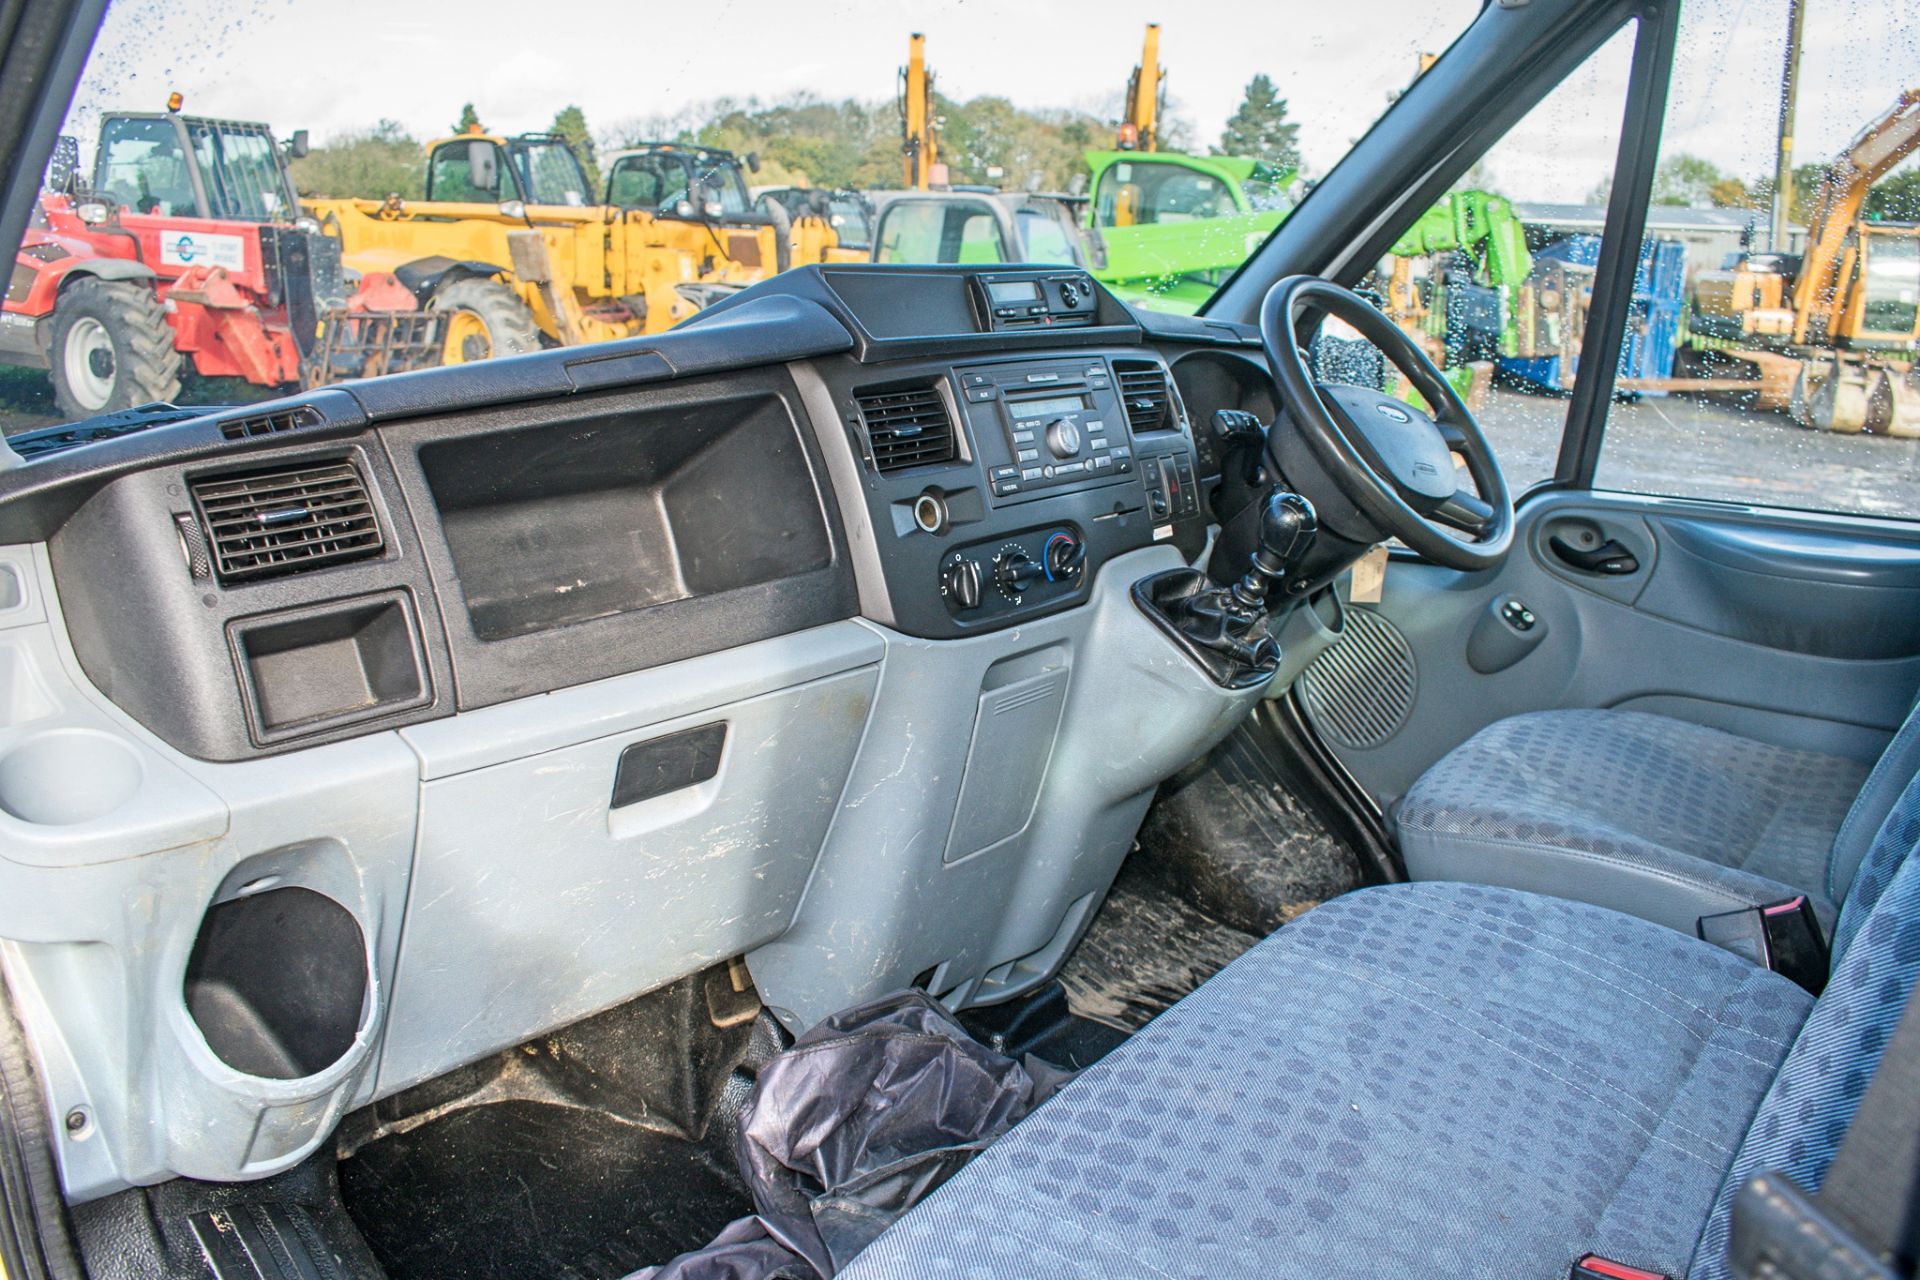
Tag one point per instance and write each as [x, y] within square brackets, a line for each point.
[1013, 290]
[1049, 404]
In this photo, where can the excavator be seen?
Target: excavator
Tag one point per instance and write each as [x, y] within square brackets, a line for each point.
[1830, 335]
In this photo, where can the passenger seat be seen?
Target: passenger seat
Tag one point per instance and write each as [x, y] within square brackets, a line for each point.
[1441, 1080]
[1656, 817]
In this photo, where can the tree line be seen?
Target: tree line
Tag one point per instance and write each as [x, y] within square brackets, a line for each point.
[811, 141]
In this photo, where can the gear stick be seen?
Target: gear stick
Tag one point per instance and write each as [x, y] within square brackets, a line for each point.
[1224, 628]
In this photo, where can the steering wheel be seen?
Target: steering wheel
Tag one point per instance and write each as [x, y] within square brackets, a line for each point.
[1390, 460]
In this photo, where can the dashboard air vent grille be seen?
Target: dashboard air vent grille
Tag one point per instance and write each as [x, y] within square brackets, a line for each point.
[286, 520]
[268, 424]
[906, 426]
[1143, 394]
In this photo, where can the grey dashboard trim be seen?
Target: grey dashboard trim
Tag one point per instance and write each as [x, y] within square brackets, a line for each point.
[843, 470]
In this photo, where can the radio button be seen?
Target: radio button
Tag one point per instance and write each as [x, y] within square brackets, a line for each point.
[1027, 455]
[1030, 473]
[1023, 437]
[1101, 464]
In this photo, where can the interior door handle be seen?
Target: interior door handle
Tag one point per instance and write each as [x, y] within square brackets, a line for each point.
[1609, 558]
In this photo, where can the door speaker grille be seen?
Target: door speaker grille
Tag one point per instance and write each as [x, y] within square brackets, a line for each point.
[1358, 692]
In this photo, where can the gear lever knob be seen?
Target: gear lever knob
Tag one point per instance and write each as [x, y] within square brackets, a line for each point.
[1288, 525]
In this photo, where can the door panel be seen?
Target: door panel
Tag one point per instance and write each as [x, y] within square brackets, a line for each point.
[1796, 629]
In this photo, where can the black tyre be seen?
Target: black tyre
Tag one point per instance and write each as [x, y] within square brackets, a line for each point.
[782, 223]
[111, 348]
[489, 320]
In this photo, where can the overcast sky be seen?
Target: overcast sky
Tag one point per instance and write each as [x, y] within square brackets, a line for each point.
[336, 65]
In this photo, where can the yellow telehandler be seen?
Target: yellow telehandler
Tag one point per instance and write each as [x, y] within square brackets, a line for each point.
[513, 240]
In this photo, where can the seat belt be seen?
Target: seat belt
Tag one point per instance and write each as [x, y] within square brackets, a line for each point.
[1865, 1221]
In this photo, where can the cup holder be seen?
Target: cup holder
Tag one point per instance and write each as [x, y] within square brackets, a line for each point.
[68, 776]
[277, 982]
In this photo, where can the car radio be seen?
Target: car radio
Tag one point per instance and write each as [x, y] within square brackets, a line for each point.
[1046, 425]
[1035, 300]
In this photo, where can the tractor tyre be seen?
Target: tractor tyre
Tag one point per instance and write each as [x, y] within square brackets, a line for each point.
[782, 223]
[111, 348]
[488, 320]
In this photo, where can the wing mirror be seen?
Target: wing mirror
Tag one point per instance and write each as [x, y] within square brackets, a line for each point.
[298, 145]
[483, 171]
[63, 170]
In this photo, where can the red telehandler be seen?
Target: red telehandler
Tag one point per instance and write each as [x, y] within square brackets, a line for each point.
[188, 245]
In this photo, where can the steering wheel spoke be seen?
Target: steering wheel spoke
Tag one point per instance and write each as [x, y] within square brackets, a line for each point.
[1467, 512]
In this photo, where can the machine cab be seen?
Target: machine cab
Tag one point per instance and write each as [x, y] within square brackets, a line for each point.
[664, 177]
[532, 168]
[172, 165]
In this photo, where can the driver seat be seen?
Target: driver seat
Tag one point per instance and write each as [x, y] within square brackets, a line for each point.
[1656, 817]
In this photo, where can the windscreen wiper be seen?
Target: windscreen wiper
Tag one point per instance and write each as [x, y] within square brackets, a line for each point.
[104, 426]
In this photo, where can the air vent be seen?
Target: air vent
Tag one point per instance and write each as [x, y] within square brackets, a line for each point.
[270, 424]
[906, 427]
[1143, 394]
[286, 520]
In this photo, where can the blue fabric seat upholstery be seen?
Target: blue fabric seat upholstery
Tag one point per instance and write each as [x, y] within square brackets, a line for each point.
[1649, 815]
[1440, 1079]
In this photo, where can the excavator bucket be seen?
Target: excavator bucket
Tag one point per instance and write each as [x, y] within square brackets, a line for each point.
[1893, 400]
[1806, 384]
[1841, 401]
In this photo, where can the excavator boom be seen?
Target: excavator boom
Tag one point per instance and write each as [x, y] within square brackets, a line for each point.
[1830, 252]
[1140, 129]
[920, 144]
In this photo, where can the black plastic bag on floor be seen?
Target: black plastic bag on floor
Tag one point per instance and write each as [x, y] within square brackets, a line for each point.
[853, 1126]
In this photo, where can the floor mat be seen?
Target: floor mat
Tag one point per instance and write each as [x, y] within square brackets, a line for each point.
[1146, 950]
[594, 1151]
[516, 1189]
[1230, 839]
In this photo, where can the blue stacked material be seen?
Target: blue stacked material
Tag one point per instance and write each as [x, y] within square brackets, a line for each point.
[1653, 318]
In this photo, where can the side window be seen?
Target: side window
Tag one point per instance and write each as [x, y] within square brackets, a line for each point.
[635, 184]
[1777, 320]
[141, 167]
[939, 231]
[553, 176]
[1146, 193]
[469, 172]
[1045, 240]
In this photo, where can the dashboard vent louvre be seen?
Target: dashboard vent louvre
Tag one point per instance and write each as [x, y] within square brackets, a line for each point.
[269, 424]
[286, 520]
[1143, 394]
[906, 426]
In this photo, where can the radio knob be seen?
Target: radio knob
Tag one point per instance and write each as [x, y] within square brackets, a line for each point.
[961, 583]
[1063, 438]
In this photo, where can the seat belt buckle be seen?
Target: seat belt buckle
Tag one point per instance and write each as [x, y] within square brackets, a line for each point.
[1595, 1267]
[1782, 936]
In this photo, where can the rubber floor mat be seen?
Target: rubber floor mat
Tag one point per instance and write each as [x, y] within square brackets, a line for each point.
[1231, 840]
[1146, 950]
[521, 1188]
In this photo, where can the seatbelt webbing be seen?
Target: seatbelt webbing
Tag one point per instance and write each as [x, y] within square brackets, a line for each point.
[1872, 1188]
